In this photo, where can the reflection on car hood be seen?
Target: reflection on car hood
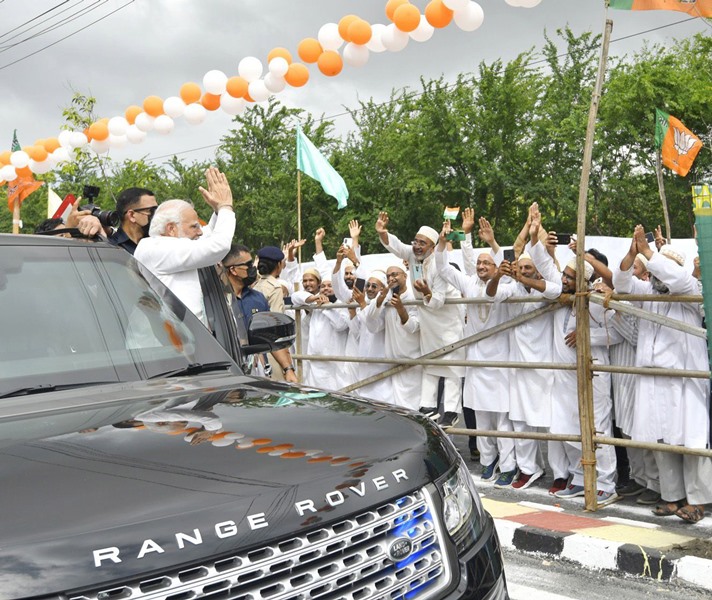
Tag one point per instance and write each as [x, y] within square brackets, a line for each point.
[195, 456]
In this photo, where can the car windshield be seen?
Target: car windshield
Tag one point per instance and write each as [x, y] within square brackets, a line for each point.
[75, 314]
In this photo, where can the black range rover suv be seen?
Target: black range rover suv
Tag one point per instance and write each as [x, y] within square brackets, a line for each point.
[138, 461]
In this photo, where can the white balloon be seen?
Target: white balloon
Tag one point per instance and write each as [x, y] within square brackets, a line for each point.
[100, 147]
[195, 113]
[455, 4]
[65, 138]
[470, 17]
[258, 90]
[144, 121]
[61, 155]
[329, 37]
[278, 66]
[117, 141]
[19, 159]
[78, 139]
[135, 135]
[163, 124]
[214, 82]
[355, 55]
[8, 173]
[232, 106]
[423, 32]
[250, 68]
[375, 44]
[118, 126]
[529, 3]
[42, 167]
[274, 83]
[174, 107]
[394, 39]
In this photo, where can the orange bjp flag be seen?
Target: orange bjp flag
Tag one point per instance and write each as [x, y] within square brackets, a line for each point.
[22, 186]
[678, 145]
[694, 8]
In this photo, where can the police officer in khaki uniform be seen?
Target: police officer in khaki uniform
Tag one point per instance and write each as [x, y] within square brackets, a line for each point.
[269, 266]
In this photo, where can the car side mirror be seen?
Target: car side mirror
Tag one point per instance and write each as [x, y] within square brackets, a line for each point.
[269, 331]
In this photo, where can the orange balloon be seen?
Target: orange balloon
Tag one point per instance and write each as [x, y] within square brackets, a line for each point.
[98, 131]
[309, 50]
[37, 153]
[39, 142]
[51, 144]
[24, 172]
[153, 105]
[344, 25]
[330, 63]
[236, 87]
[391, 6]
[5, 157]
[210, 101]
[406, 17]
[437, 14]
[296, 76]
[280, 53]
[248, 98]
[132, 112]
[190, 92]
[360, 32]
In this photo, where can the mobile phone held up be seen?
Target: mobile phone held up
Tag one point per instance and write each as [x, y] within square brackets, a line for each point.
[456, 236]
[650, 236]
[509, 255]
[360, 284]
[563, 239]
[396, 289]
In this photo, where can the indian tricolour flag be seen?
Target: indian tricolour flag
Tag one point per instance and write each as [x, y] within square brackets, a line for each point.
[694, 8]
[451, 213]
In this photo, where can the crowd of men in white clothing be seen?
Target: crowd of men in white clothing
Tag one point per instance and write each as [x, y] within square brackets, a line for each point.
[646, 408]
[408, 310]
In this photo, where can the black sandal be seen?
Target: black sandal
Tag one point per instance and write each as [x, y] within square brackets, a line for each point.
[669, 508]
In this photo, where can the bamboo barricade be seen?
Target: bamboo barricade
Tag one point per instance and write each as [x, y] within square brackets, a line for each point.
[613, 301]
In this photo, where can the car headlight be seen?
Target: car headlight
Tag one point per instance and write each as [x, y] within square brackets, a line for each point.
[462, 509]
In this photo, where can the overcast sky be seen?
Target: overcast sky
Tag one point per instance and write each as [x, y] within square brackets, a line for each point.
[137, 48]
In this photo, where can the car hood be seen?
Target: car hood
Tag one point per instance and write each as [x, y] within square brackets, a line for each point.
[121, 481]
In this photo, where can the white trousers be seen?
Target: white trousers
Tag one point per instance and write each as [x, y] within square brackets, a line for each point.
[490, 447]
[452, 392]
[525, 450]
[558, 459]
[643, 468]
[684, 476]
[605, 466]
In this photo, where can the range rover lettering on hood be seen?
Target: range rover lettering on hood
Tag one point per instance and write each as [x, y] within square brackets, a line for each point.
[226, 529]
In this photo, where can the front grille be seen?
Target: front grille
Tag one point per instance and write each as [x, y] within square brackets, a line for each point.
[345, 561]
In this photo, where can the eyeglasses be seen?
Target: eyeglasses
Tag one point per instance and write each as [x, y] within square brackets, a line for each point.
[149, 210]
[418, 243]
[238, 265]
[393, 275]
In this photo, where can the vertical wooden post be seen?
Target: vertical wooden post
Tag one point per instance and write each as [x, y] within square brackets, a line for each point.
[16, 216]
[661, 191]
[583, 338]
[299, 211]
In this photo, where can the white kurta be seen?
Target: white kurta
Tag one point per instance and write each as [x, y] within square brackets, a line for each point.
[175, 261]
[440, 324]
[486, 388]
[372, 345]
[327, 337]
[672, 409]
[530, 389]
[350, 373]
[401, 340]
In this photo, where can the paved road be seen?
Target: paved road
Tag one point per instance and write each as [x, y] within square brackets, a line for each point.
[532, 578]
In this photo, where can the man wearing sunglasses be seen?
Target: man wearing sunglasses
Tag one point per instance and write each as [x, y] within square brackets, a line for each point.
[136, 207]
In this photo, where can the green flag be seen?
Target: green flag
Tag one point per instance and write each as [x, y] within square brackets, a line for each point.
[15, 144]
[313, 163]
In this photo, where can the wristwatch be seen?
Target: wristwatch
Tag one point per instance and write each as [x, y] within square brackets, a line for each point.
[289, 368]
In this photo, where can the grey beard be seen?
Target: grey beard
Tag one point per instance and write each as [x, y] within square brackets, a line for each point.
[659, 286]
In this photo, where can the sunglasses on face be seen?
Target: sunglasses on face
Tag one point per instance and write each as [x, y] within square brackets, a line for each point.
[238, 265]
[148, 210]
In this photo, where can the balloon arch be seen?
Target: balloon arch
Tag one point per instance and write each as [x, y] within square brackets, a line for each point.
[252, 84]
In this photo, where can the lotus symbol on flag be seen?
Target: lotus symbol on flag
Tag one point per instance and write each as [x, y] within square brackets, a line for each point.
[683, 142]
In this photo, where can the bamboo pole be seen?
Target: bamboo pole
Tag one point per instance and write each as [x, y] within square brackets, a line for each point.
[583, 338]
[661, 190]
[299, 212]
[16, 216]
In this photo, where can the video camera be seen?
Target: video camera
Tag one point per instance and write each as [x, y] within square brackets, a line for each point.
[108, 218]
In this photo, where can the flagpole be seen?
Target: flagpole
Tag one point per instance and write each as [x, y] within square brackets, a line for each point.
[661, 190]
[16, 216]
[299, 211]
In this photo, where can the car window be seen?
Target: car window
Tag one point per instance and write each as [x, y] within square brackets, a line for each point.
[71, 314]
